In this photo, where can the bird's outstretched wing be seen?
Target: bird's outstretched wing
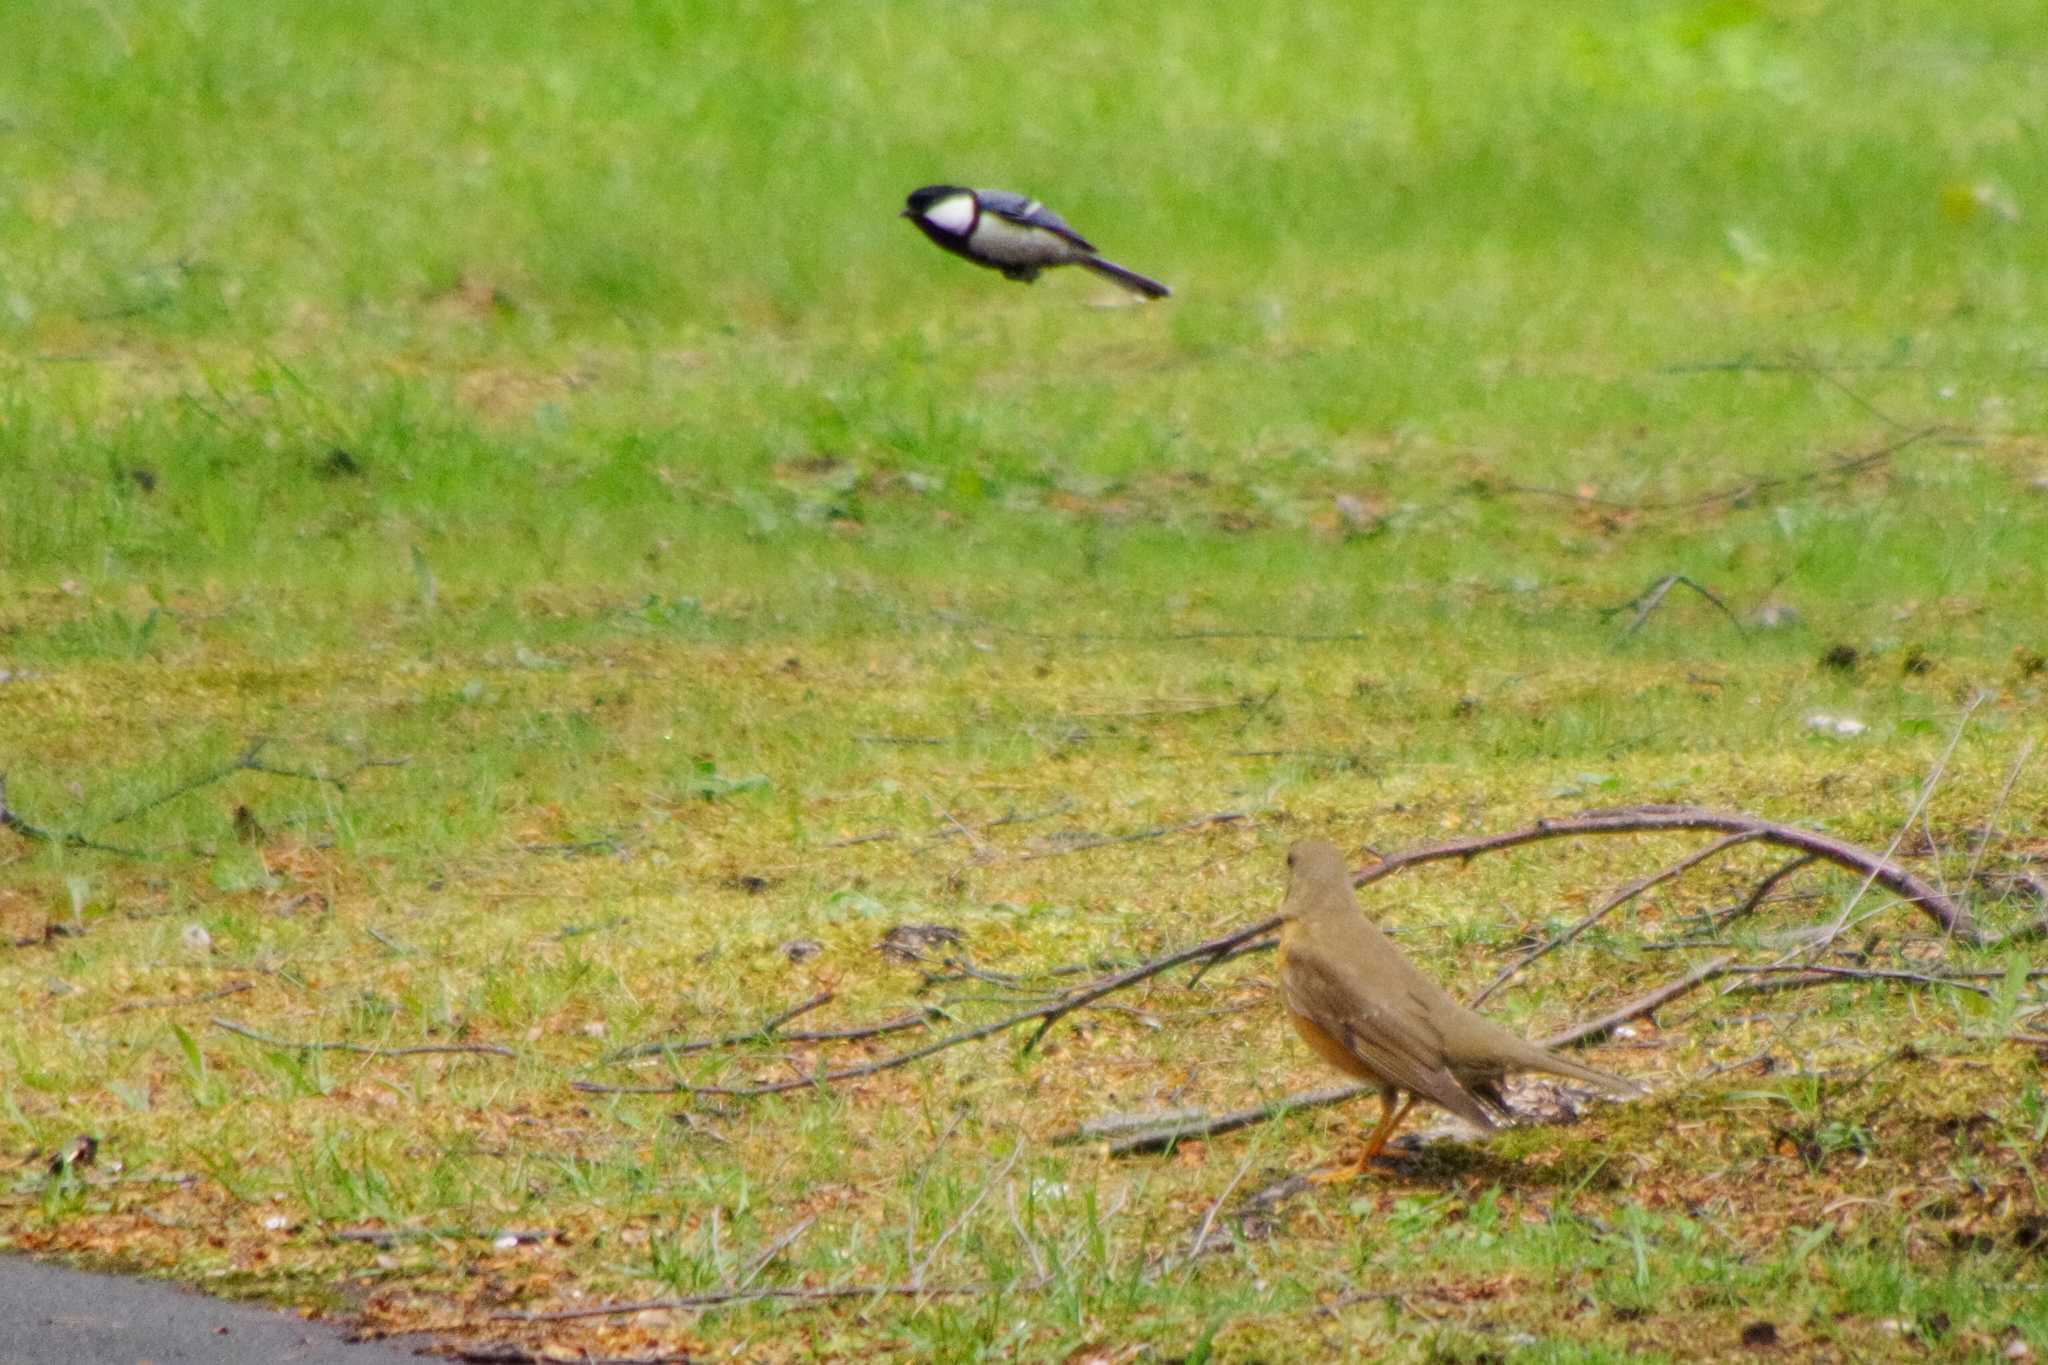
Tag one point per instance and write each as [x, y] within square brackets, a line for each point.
[1396, 1045]
[1029, 213]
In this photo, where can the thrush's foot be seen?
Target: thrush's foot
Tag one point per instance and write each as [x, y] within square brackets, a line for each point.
[1353, 1168]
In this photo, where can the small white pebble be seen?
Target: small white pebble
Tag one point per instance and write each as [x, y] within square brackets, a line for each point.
[2018, 1350]
[1835, 725]
[1772, 615]
[506, 1243]
[277, 1222]
[197, 939]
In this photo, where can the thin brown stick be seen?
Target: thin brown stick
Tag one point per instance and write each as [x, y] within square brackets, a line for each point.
[1001, 1173]
[895, 1024]
[821, 1078]
[1150, 638]
[365, 1049]
[1919, 807]
[1908, 887]
[2034, 928]
[1854, 464]
[1060, 807]
[880, 836]
[776, 1248]
[1647, 1003]
[1108, 985]
[1201, 1239]
[1647, 602]
[2012, 778]
[1221, 817]
[767, 1027]
[249, 761]
[36, 834]
[1737, 1065]
[173, 1001]
[1602, 910]
[1265, 945]
[1794, 976]
[1202, 1124]
[799, 1294]
[1761, 891]
[964, 971]
[973, 840]
[854, 1033]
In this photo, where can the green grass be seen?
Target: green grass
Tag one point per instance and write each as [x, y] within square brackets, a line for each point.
[540, 423]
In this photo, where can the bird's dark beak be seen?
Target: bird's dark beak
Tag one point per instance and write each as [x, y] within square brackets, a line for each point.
[908, 213]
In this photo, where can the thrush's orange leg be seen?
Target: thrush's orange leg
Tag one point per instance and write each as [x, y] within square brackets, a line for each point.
[1390, 1119]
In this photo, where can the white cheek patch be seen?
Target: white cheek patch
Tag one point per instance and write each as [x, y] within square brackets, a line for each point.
[954, 215]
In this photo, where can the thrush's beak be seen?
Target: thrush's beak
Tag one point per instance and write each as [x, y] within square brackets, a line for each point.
[908, 213]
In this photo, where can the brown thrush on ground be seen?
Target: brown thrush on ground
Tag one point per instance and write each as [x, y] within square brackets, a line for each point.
[1369, 1012]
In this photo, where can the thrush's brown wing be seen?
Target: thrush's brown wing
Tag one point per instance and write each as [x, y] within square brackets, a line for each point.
[1392, 1037]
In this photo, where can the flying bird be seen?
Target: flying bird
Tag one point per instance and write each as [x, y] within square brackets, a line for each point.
[1014, 234]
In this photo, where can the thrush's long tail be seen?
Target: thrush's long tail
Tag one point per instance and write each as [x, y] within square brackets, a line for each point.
[1129, 279]
[1542, 1059]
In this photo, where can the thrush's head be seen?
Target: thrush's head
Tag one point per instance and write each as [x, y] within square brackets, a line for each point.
[1313, 865]
[948, 208]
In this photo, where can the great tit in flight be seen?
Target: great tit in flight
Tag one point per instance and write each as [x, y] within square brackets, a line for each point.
[1013, 234]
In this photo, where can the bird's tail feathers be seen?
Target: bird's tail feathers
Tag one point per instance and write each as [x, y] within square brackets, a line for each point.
[1564, 1066]
[1129, 279]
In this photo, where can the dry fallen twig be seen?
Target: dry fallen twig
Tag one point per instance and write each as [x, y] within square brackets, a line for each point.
[1762, 890]
[249, 761]
[173, 1001]
[1221, 817]
[1748, 488]
[34, 833]
[1654, 819]
[766, 1029]
[1647, 1003]
[2035, 928]
[1600, 911]
[1200, 1123]
[798, 1294]
[1646, 602]
[1150, 638]
[1201, 1238]
[364, 1049]
[1792, 976]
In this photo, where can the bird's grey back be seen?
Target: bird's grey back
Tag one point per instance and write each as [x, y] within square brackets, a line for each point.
[1020, 208]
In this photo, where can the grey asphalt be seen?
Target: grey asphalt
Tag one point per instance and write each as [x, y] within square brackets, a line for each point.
[50, 1315]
